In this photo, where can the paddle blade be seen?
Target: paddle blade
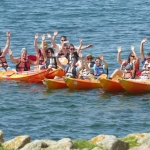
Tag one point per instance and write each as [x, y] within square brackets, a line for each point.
[32, 57]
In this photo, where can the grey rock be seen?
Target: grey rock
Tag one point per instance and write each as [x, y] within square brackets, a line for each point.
[1, 136]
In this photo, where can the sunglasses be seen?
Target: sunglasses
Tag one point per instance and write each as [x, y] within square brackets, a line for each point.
[89, 58]
[132, 56]
[147, 58]
[73, 60]
[72, 49]
[49, 52]
[63, 40]
[97, 61]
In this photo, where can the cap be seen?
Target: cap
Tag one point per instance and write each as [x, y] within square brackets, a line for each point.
[23, 50]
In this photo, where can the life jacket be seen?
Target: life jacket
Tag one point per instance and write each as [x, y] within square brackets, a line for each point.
[91, 65]
[71, 72]
[24, 65]
[145, 66]
[41, 58]
[69, 55]
[3, 62]
[98, 70]
[51, 61]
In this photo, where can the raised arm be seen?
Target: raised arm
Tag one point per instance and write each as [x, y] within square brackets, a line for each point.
[136, 56]
[81, 61]
[105, 64]
[118, 55]
[14, 60]
[43, 49]
[35, 42]
[5, 51]
[84, 47]
[52, 40]
[79, 49]
[142, 49]
[55, 34]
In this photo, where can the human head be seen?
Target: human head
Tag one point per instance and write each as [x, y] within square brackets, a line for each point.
[71, 48]
[148, 57]
[98, 61]
[74, 60]
[23, 52]
[131, 57]
[89, 58]
[45, 45]
[63, 38]
[49, 52]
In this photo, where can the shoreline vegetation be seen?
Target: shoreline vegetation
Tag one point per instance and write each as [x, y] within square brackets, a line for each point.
[135, 141]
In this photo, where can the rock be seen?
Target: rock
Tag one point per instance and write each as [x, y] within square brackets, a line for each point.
[17, 143]
[140, 137]
[110, 142]
[63, 144]
[142, 147]
[35, 145]
[1, 136]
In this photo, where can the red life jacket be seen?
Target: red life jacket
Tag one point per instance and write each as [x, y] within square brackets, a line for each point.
[24, 65]
[3, 62]
[41, 58]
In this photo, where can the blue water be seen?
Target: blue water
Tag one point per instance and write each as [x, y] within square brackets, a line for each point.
[40, 113]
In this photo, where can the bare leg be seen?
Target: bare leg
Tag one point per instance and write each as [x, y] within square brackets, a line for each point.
[117, 72]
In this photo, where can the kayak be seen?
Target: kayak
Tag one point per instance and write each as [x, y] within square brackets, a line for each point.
[57, 72]
[27, 76]
[82, 84]
[54, 84]
[135, 85]
[112, 85]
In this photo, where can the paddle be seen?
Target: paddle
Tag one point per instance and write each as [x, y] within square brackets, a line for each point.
[32, 57]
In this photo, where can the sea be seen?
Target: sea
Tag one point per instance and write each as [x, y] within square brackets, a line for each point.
[34, 110]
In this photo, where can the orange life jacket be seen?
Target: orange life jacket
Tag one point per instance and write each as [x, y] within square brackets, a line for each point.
[24, 65]
[3, 62]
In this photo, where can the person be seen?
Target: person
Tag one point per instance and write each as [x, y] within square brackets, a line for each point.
[132, 59]
[85, 73]
[72, 51]
[23, 63]
[145, 60]
[72, 70]
[50, 61]
[58, 47]
[129, 72]
[99, 69]
[146, 73]
[3, 62]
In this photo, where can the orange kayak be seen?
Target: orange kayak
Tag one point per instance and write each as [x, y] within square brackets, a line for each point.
[82, 84]
[54, 84]
[135, 85]
[110, 85]
[32, 77]
[58, 72]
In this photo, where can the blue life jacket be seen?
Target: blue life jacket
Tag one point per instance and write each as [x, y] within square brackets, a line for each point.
[98, 70]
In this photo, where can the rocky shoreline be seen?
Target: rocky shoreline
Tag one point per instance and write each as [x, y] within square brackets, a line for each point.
[135, 141]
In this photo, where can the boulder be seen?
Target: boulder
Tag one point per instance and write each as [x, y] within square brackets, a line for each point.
[35, 145]
[110, 142]
[17, 142]
[142, 147]
[96, 148]
[1, 136]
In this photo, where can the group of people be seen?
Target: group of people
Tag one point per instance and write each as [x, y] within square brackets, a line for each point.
[69, 57]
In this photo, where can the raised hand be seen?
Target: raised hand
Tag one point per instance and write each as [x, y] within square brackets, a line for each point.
[101, 57]
[80, 41]
[90, 45]
[55, 32]
[10, 52]
[43, 37]
[132, 48]
[119, 49]
[8, 33]
[144, 40]
[80, 55]
[48, 35]
[65, 42]
[36, 36]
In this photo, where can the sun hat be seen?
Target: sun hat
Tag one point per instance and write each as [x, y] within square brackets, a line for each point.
[45, 44]
[128, 67]
[89, 56]
[23, 50]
